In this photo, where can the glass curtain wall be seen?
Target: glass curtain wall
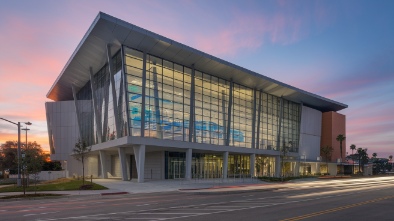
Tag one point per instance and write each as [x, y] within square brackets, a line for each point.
[205, 166]
[265, 166]
[242, 117]
[167, 107]
[290, 126]
[270, 121]
[238, 166]
[85, 114]
[104, 105]
[211, 107]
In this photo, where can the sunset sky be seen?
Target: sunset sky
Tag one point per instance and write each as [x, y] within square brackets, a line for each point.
[342, 50]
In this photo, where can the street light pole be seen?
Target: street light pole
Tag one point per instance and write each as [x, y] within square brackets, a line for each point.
[23, 169]
[18, 181]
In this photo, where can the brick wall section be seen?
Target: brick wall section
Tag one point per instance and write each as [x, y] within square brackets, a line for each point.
[334, 124]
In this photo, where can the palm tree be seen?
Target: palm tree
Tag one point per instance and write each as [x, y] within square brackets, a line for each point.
[341, 138]
[362, 158]
[374, 155]
[352, 147]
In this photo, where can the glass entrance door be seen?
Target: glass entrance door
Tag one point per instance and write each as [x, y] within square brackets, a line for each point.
[178, 169]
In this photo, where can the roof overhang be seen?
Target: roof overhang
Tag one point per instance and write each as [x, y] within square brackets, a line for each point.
[91, 52]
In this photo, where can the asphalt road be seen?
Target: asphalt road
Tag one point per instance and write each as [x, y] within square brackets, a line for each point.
[361, 199]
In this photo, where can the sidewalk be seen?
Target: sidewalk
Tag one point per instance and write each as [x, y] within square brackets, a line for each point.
[116, 186]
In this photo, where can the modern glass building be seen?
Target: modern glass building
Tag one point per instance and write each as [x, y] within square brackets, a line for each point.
[153, 108]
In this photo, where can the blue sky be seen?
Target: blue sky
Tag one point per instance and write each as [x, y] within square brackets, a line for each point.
[342, 50]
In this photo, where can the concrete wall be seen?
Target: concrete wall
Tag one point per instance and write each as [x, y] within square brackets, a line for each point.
[45, 175]
[154, 165]
[92, 164]
[115, 166]
[310, 134]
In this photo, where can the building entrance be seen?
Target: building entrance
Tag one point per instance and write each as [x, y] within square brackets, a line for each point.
[178, 169]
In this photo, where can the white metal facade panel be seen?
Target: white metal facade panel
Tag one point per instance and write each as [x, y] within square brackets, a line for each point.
[154, 162]
[63, 126]
[311, 121]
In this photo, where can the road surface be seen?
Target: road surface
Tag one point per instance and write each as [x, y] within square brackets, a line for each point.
[350, 199]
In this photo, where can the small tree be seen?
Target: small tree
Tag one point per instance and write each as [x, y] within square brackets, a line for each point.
[374, 155]
[391, 157]
[353, 147]
[81, 150]
[34, 161]
[284, 151]
[362, 158]
[326, 153]
[340, 138]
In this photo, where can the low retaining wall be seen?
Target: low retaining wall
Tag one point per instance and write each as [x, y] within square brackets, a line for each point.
[45, 175]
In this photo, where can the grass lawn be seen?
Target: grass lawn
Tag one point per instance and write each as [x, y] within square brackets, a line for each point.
[57, 185]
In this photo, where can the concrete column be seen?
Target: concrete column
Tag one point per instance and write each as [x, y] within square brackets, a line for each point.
[188, 164]
[317, 167]
[103, 163]
[278, 166]
[122, 159]
[252, 163]
[297, 168]
[225, 164]
[139, 154]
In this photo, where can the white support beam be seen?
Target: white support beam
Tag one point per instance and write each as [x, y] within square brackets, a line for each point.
[113, 88]
[103, 164]
[139, 154]
[188, 164]
[77, 110]
[122, 159]
[94, 105]
[225, 165]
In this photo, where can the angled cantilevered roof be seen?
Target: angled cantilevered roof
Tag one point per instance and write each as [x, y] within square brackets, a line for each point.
[91, 52]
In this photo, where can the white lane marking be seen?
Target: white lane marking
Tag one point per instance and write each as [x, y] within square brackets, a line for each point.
[167, 213]
[36, 214]
[143, 204]
[228, 206]
[33, 214]
[147, 218]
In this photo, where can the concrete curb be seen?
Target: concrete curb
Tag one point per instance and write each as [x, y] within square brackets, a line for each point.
[115, 193]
